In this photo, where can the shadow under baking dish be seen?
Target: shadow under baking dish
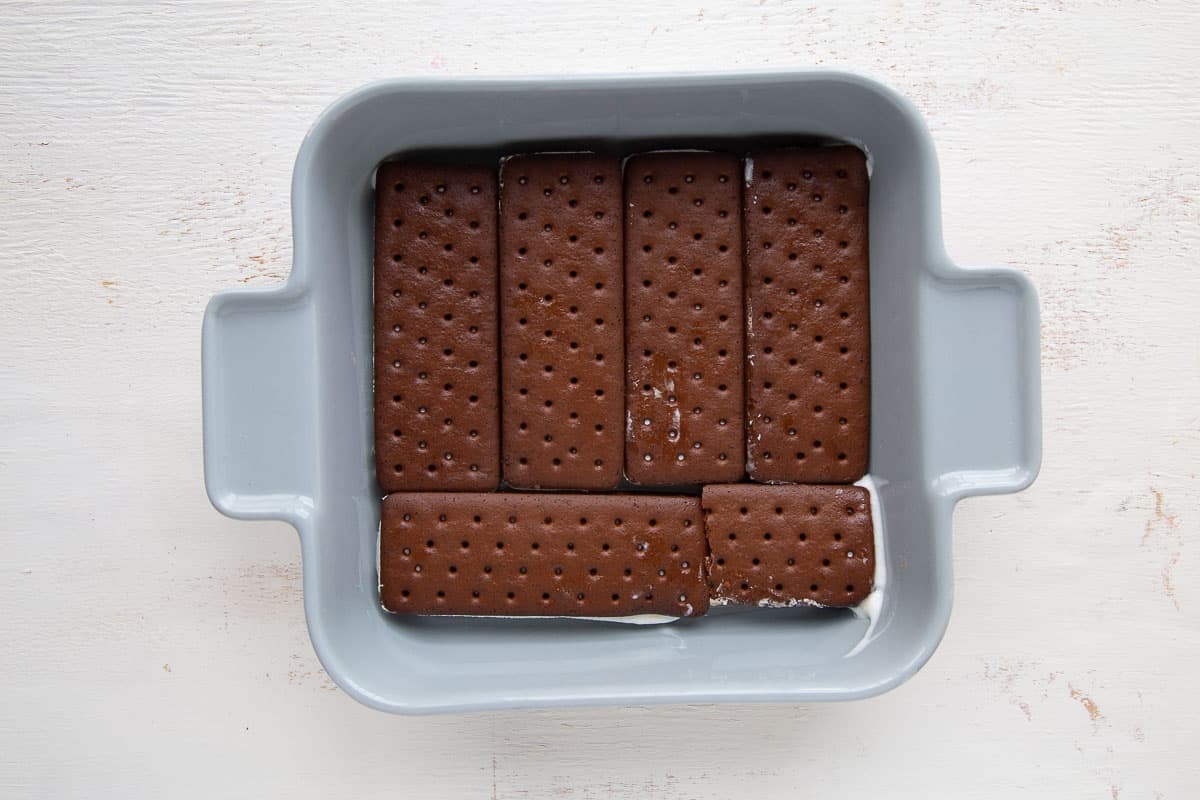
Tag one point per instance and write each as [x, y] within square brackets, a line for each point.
[288, 397]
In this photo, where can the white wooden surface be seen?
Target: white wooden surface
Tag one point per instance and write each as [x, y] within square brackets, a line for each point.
[152, 647]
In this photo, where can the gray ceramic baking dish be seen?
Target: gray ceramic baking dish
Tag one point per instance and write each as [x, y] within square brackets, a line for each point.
[287, 400]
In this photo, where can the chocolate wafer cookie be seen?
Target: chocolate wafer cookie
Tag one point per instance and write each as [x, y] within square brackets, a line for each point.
[436, 351]
[789, 545]
[807, 315]
[683, 263]
[561, 321]
[554, 555]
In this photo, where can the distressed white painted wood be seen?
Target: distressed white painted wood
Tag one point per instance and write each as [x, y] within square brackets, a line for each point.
[153, 648]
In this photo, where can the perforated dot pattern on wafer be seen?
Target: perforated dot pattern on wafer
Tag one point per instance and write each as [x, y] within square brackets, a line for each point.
[549, 554]
[562, 321]
[436, 348]
[807, 315]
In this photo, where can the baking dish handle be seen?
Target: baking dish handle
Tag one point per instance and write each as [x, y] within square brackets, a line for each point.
[257, 352]
[983, 391]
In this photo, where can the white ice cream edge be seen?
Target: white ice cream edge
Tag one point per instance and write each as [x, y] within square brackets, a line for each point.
[872, 605]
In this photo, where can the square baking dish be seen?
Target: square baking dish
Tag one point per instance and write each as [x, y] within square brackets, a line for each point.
[288, 424]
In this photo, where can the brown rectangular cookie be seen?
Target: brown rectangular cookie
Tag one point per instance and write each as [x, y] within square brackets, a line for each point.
[683, 263]
[808, 341]
[436, 349]
[561, 321]
[789, 545]
[519, 554]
